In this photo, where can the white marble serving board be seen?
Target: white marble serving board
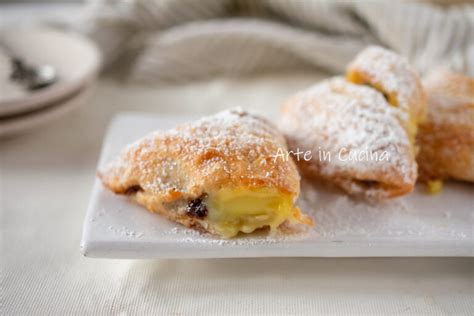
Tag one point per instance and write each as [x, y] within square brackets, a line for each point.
[415, 225]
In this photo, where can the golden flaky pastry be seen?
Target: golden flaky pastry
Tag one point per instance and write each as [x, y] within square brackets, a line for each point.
[356, 139]
[446, 138]
[217, 175]
[366, 123]
[396, 79]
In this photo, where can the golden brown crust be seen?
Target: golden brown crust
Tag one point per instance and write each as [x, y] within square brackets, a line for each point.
[446, 139]
[166, 170]
[393, 76]
[336, 115]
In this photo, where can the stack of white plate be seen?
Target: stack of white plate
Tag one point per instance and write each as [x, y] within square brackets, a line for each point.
[75, 60]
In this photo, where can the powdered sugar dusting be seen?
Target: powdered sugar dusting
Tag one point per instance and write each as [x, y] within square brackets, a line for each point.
[335, 115]
[451, 98]
[215, 146]
[391, 72]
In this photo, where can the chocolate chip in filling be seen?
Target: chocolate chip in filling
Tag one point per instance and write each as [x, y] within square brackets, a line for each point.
[133, 189]
[196, 208]
[368, 184]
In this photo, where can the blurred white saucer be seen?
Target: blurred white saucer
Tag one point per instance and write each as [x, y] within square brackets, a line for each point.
[75, 59]
[17, 124]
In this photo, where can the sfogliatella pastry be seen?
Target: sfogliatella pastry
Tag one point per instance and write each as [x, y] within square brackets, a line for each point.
[446, 138]
[355, 138]
[391, 75]
[217, 175]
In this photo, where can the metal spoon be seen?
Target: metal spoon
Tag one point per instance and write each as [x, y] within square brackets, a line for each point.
[33, 78]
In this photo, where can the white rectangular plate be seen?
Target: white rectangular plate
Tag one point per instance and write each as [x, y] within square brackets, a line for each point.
[415, 225]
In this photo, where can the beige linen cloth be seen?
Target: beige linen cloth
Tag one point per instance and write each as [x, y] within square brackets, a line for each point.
[168, 40]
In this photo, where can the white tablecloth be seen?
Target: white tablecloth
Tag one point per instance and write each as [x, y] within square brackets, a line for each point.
[46, 178]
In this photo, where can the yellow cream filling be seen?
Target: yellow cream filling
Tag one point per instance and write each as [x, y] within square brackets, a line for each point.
[435, 186]
[234, 210]
[357, 79]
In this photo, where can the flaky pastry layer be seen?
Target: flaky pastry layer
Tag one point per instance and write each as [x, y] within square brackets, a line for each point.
[182, 173]
[446, 138]
[336, 118]
[396, 79]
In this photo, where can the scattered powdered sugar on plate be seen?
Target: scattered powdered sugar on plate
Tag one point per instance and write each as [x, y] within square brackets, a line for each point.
[258, 237]
[340, 216]
[124, 231]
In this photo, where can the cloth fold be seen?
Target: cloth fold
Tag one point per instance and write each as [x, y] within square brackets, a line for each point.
[166, 40]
